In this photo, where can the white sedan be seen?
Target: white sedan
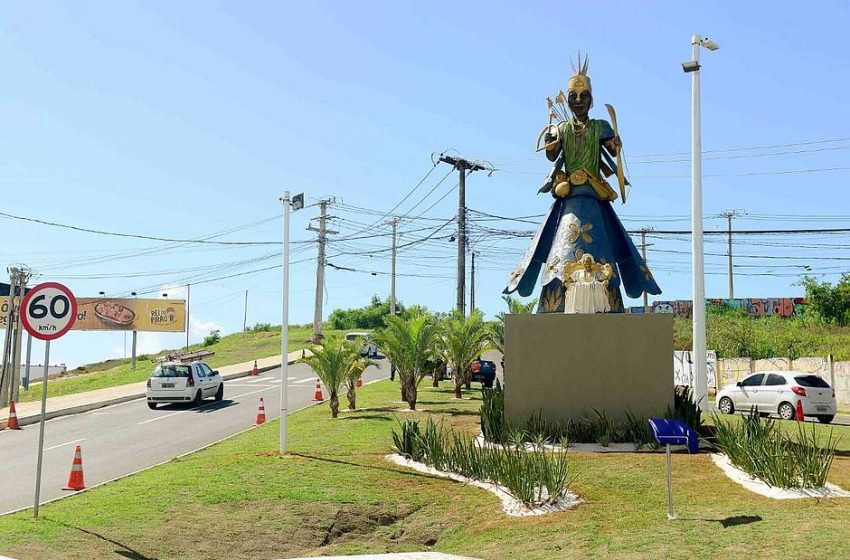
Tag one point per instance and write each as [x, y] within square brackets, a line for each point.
[173, 382]
[778, 392]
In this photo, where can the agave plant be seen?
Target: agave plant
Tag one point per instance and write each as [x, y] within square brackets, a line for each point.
[409, 344]
[333, 362]
[462, 340]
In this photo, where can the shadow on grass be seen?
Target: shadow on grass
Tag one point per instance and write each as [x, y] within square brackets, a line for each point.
[125, 551]
[400, 470]
[729, 521]
[367, 417]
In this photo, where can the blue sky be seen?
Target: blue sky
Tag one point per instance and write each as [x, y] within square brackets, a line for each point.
[182, 119]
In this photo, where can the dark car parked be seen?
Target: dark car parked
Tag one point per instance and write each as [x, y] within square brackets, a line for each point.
[483, 371]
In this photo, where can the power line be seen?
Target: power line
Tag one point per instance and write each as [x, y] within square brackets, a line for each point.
[141, 236]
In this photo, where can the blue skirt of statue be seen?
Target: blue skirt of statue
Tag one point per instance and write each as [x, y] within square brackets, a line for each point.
[577, 224]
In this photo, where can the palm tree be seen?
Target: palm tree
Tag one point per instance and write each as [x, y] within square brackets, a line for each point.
[497, 329]
[409, 343]
[355, 370]
[463, 339]
[332, 362]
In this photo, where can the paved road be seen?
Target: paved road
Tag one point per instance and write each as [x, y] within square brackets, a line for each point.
[127, 437]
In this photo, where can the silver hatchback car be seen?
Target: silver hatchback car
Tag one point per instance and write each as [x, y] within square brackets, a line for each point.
[174, 382]
[778, 392]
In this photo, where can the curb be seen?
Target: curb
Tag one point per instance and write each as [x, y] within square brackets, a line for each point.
[35, 418]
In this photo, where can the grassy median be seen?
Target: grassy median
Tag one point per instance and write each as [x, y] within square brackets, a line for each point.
[231, 349]
[335, 494]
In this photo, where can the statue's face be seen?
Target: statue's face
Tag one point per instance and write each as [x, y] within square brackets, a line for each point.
[587, 264]
[579, 102]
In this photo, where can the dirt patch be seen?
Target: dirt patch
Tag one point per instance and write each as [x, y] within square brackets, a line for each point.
[274, 529]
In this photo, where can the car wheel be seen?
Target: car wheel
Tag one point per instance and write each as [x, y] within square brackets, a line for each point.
[787, 411]
[825, 418]
[152, 406]
[725, 406]
[220, 393]
[198, 398]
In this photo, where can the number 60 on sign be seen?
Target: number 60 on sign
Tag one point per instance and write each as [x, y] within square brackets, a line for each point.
[49, 311]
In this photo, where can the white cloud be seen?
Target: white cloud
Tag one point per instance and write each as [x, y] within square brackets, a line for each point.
[198, 329]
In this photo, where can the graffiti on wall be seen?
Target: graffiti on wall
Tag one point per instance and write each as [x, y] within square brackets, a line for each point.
[755, 307]
[683, 368]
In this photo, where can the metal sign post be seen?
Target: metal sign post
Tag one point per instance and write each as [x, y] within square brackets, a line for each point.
[47, 312]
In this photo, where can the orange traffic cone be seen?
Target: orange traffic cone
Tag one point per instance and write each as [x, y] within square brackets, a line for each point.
[359, 383]
[75, 480]
[799, 415]
[318, 396]
[12, 424]
[261, 413]
[254, 371]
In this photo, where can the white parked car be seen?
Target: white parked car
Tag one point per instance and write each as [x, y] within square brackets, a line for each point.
[173, 382]
[368, 347]
[778, 392]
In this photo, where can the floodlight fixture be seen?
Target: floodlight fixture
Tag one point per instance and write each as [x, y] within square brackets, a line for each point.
[690, 66]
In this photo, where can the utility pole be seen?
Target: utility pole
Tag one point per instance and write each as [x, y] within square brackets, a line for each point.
[729, 214]
[10, 373]
[188, 300]
[394, 223]
[643, 254]
[321, 261]
[245, 319]
[463, 166]
[472, 284]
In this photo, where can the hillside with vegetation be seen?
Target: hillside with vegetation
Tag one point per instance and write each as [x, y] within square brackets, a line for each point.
[260, 341]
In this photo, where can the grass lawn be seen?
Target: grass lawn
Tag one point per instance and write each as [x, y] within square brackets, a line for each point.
[335, 494]
[231, 349]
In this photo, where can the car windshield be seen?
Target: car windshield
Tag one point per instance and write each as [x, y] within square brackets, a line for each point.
[171, 371]
[811, 381]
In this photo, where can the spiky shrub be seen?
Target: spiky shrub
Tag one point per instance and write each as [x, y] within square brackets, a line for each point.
[534, 476]
[596, 428]
[493, 413]
[758, 447]
[409, 343]
[332, 362]
[461, 340]
[684, 408]
[407, 442]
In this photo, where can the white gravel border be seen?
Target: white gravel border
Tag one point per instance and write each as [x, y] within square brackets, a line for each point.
[762, 488]
[510, 505]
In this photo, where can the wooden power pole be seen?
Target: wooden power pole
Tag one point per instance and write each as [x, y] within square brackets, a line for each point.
[321, 261]
[463, 167]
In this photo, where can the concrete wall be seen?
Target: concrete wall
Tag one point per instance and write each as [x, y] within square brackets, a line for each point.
[566, 365]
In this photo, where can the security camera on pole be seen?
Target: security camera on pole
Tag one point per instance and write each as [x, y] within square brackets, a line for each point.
[48, 311]
[692, 67]
[295, 203]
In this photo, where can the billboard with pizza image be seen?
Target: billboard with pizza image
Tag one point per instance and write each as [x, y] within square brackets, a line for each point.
[126, 314]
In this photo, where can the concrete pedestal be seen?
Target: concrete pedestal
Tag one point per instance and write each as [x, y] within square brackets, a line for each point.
[567, 365]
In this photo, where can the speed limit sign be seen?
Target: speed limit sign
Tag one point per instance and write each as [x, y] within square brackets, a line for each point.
[49, 311]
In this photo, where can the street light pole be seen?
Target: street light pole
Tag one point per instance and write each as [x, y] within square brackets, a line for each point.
[699, 345]
[294, 203]
[284, 328]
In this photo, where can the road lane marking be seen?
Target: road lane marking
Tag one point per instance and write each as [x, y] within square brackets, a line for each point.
[308, 380]
[200, 407]
[64, 444]
[161, 417]
[257, 380]
[252, 392]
